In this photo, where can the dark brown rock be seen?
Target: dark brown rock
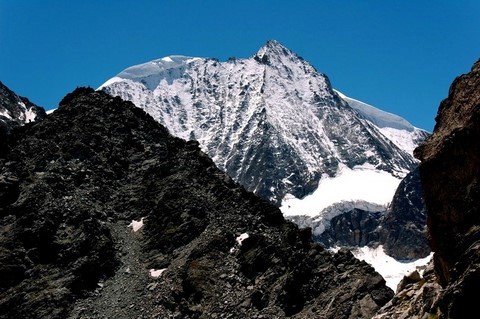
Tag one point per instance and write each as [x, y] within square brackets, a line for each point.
[450, 173]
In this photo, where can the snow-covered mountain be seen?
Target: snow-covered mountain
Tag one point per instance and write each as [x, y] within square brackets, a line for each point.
[16, 110]
[271, 121]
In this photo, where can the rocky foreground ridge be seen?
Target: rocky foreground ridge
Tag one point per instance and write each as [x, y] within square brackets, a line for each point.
[449, 171]
[71, 185]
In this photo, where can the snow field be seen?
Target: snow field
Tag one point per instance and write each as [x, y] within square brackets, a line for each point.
[360, 184]
[389, 268]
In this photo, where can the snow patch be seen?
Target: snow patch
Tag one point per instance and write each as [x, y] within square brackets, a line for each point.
[111, 81]
[167, 59]
[136, 225]
[241, 238]
[378, 117]
[389, 268]
[239, 241]
[405, 140]
[321, 222]
[358, 185]
[30, 116]
[155, 273]
[5, 113]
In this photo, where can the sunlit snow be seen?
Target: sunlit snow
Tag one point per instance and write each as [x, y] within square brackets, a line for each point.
[136, 225]
[241, 238]
[398, 130]
[239, 241]
[363, 183]
[155, 273]
[30, 115]
[376, 116]
[403, 139]
[5, 113]
[392, 270]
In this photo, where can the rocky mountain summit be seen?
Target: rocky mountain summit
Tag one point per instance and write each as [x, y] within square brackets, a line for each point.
[16, 110]
[104, 214]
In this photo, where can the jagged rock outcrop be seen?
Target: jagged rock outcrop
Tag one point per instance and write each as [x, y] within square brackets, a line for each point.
[403, 231]
[16, 110]
[354, 228]
[73, 183]
[417, 297]
[450, 171]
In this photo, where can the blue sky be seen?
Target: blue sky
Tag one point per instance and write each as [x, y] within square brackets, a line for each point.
[400, 56]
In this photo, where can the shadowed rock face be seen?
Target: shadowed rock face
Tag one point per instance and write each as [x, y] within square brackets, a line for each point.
[404, 226]
[71, 184]
[450, 172]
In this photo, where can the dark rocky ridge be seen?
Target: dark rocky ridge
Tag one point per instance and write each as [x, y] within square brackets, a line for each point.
[72, 183]
[450, 172]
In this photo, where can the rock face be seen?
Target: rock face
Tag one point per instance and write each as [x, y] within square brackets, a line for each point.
[352, 229]
[403, 231]
[16, 110]
[417, 297]
[450, 172]
[73, 183]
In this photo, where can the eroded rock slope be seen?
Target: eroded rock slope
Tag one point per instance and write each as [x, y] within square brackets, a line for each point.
[72, 183]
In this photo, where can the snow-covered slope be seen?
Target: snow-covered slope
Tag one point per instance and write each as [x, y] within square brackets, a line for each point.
[362, 187]
[394, 127]
[391, 269]
[271, 121]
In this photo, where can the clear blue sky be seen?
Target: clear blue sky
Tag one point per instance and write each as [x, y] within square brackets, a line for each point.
[400, 56]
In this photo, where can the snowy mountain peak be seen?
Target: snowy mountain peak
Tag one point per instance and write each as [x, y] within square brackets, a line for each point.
[155, 67]
[272, 47]
[151, 73]
[271, 121]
